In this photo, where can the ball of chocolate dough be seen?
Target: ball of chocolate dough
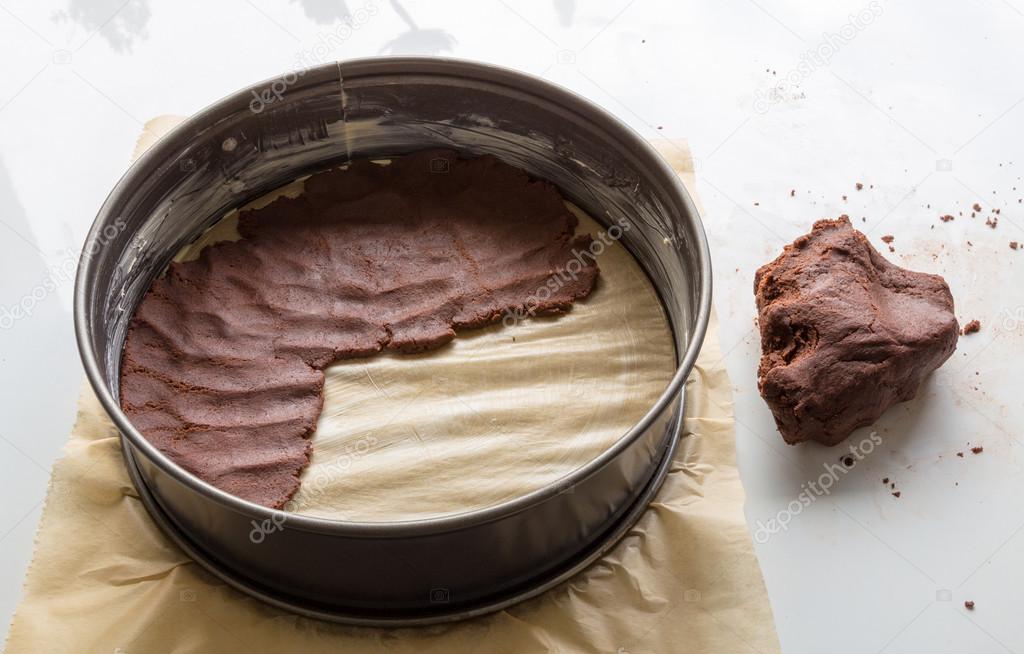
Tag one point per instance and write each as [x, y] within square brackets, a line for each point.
[845, 334]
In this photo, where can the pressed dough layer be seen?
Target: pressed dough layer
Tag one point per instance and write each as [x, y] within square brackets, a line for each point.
[223, 363]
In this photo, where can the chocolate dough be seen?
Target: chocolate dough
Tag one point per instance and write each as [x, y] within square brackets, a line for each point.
[844, 333]
[223, 362]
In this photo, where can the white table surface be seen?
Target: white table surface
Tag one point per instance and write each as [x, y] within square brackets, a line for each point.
[921, 100]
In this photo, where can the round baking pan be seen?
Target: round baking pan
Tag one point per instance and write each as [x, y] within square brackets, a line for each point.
[256, 140]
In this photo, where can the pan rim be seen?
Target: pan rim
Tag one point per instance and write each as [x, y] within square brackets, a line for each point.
[403, 65]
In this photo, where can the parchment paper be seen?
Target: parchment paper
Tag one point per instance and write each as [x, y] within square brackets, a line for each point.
[497, 413]
[104, 579]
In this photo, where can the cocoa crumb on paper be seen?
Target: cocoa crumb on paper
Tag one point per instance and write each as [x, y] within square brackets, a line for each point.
[970, 328]
[946, 218]
[888, 238]
[896, 494]
[976, 207]
[1014, 245]
[859, 186]
[977, 449]
[969, 605]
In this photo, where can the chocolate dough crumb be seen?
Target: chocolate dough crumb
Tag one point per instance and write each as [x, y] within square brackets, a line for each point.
[845, 334]
[977, 449]
[946, 218]
[885, 480]
[992, 222]
[896, 494]
[888, 238]
[792, 193]
[971, 327]
[859, 186]
[976, 207]
[1014, 245]
[223, 362]
[960, 454]
[969, 605]
[848, 461]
